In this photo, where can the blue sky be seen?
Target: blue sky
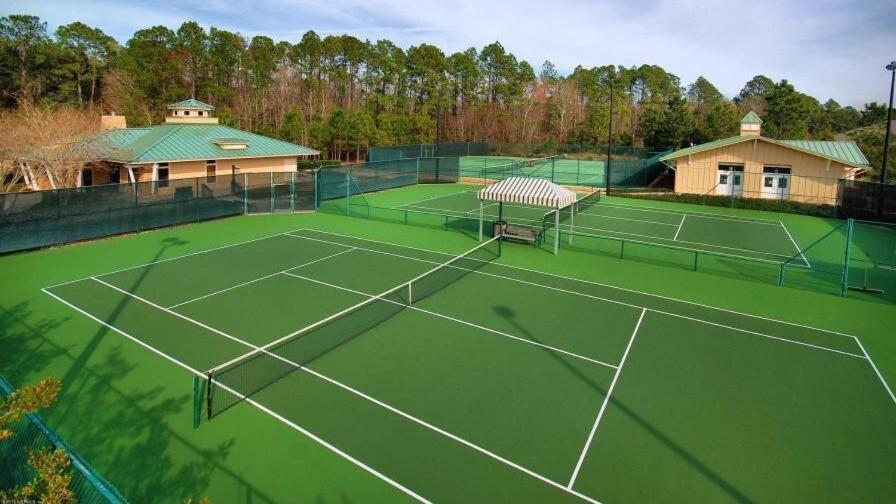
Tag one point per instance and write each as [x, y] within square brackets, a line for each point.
[829, 49]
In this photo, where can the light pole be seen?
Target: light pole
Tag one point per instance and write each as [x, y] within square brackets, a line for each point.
[609, 142]
[883, 169]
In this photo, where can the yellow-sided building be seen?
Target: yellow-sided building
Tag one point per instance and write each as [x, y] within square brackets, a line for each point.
[753, 166]
[190, 143]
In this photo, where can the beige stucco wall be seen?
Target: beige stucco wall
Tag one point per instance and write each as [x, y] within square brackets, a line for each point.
[812, 179]
[193, 169]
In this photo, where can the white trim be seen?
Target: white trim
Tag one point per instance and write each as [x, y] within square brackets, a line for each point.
[370, 398]
[280, 418]
[680, 224]
[603, 406]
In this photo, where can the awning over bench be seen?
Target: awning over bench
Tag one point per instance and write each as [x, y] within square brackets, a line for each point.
[529, 191]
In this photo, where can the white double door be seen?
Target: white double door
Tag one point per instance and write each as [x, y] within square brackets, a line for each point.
[775, 183]
[730, 180]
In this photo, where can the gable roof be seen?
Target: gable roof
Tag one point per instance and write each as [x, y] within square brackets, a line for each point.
[191, 103]
[751, 118]
[842, 151]
[185, 142]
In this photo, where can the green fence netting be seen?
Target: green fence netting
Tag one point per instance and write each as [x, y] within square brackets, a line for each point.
[427, 150]
[42, 218]
[31, 434]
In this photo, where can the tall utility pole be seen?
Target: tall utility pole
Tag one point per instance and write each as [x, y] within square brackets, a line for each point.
[609, 141]
[883, 169]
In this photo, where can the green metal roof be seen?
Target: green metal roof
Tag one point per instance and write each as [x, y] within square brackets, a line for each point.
[840, 150]
[182, 142]
[843, 151]
[751, 118]
[191, 103]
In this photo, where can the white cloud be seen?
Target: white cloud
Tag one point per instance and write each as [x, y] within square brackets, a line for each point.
[829, 49]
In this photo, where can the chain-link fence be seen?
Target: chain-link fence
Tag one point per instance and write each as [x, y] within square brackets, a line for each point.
[41, 218]
[428, 150]
[31, 435]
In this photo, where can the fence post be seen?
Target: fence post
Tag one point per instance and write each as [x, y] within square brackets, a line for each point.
[348, 192]
[292, 191]
[246, 193]
[271, 189]
[417, 163]
[845, 279]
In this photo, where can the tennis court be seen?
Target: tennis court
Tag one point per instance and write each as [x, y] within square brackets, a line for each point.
[458, 378]
[749, 238]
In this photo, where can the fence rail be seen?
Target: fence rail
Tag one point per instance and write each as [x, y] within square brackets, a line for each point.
[42, 218]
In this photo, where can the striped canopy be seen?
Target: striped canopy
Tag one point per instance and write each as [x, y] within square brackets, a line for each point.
[528, 191]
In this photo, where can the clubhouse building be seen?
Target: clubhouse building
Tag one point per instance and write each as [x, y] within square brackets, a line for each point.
[753, 166]
[190, 143]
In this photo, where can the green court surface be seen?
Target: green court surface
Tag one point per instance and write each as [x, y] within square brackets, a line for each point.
[504, 383]
[734, 236]
[562, 171]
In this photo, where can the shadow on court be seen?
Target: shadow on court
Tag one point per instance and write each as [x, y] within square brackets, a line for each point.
[736, 494]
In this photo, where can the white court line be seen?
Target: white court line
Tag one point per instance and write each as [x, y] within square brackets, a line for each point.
[797, 247]
[220, 291]
[680, 224]
[757, 220]
[693, 243]
[877, 371]
[278, 417]
[598, 216]
[173, 258]
[579, 280]
[412, 203]
[362, 395]
[603, 406]
[621, 303]
[456, 320]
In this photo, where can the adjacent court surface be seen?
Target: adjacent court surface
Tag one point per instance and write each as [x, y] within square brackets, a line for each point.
[475, 381]
[749, 238]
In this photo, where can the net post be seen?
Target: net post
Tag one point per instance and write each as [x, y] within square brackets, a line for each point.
[208, 396]
[781, 274]
[696, 255]
[621, 249]
[844, 286]
[197, 401]
[410, 293]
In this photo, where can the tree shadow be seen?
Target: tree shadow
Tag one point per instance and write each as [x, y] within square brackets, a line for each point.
[729, 488]
[124, 431]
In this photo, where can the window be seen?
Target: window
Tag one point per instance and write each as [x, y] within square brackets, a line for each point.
[736, 178]
[723, 178]
[768, 182]
[782, 183]
[731, 167]
[186, 112]
[199, 113]
[210, 169]
[86, 177]
[775, 169]
[163, 174]
[115, 175]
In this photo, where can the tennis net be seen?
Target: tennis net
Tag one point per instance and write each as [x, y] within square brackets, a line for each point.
[246, 375]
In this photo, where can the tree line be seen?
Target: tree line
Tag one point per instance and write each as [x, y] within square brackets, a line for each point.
[341, 94]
